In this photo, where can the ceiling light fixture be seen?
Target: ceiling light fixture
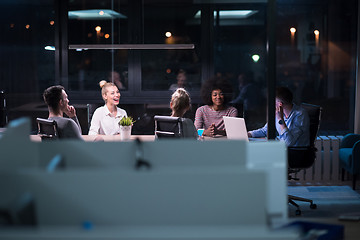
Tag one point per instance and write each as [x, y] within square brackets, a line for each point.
[95, 14]
[231, 14]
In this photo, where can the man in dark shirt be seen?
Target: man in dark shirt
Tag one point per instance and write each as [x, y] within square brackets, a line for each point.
[58, 104]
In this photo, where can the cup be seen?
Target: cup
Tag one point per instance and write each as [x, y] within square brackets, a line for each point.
[200, 132]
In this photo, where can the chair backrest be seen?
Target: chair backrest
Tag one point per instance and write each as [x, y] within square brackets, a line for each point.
[47, 129]
[168, 127]
[304, 157]
[314, 112]
[91, 107]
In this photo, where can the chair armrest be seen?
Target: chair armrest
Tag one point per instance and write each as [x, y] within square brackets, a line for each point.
[349, 140]
[356, 156]
[301, 157]
[294, 149]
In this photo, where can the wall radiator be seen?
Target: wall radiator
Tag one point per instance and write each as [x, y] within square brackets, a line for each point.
[326, 169]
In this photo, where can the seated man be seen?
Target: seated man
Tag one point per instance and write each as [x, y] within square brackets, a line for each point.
[58, 104]
[292, 121]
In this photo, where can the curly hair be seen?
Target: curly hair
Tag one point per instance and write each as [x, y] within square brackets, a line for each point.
[214, 84]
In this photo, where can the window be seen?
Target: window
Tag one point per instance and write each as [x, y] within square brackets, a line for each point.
[240, 56]
[27, 44]
[316, 58]
[316, 52]
[96, 23]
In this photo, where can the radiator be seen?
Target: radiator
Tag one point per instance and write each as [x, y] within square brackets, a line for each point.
[326, 169]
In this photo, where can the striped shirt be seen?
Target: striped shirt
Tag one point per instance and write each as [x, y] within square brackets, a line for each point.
[205, 116]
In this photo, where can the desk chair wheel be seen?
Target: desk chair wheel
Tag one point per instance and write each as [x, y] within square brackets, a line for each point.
[313, 206]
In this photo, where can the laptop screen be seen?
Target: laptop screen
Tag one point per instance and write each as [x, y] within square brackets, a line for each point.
[235, 128]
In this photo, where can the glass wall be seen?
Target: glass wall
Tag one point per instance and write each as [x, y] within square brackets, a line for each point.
[171, 22]
[240, 56]
[316, 57]
[26, 49]
[190, 42]
[94, 23]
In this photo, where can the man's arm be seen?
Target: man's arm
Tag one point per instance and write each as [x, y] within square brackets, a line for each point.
[261, 132]
[296, 129]
[72, 130]
[77, 123]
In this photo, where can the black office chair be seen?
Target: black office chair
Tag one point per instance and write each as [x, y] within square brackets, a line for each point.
[168, 127]
[90, 108]
[47, 129]
[300, 158]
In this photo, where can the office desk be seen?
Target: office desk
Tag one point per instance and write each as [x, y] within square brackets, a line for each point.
[148, 233]
[106, 138]
[117, 138]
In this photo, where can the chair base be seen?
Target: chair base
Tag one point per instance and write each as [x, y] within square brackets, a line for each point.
[291, 199]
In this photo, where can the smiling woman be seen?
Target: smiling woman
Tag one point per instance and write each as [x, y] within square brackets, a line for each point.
[106, 118]
[216, 93]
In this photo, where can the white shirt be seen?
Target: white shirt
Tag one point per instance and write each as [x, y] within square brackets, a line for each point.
[103, 123]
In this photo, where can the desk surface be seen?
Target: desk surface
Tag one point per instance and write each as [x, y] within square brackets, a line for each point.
[148, 232]
[117, 138]
[106, 138]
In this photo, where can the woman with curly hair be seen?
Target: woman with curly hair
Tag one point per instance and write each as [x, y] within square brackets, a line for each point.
[216, 93]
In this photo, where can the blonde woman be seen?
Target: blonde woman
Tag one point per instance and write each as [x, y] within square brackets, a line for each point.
[179, 104]
[105, 120]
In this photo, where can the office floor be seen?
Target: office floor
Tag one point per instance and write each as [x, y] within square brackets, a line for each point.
[332, 202]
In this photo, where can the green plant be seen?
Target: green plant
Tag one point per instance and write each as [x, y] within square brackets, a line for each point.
[126, 121]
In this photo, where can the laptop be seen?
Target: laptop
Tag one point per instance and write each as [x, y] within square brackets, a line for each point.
[235, 128]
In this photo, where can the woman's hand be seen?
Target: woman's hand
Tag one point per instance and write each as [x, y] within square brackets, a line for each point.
[210, 131]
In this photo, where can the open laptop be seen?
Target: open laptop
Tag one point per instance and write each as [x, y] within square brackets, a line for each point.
[235, 128]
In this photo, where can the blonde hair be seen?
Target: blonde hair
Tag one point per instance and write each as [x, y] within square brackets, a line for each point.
[104, 85]
[180, 101]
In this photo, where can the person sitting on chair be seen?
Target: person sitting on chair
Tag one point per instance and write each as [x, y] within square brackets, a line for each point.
[292, 121]
[105, 120]
[58, 103]
[179, 104]
[181, 81]
[216, 93]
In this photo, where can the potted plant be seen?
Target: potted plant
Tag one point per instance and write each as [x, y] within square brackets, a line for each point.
[125, 127]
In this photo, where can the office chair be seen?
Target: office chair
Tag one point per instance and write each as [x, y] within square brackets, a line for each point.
[300, 158]
[168, 127]
[47, 129]
[349, 155]
[90, 108]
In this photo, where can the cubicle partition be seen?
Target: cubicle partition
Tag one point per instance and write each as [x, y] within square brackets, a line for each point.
[141, 190]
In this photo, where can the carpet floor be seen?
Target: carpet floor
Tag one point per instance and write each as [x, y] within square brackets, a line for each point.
[331, 201]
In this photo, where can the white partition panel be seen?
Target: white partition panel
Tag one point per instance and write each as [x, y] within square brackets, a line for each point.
[271, 157]
[190, 189]
[187, 196]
